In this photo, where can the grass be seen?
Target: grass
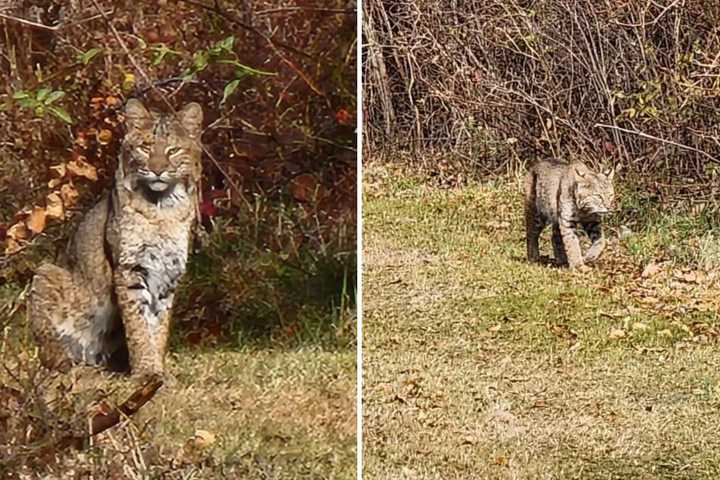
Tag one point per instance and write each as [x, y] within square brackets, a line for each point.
[480, 365]
[274, 402]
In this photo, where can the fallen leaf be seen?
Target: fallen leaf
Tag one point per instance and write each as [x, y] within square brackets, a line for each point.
[80, 168]
[303, 188]
[18, 232]
[104, 136]
[665, 333]
[651, 269]
[59, 169]
[36, 221]
[495, 328]
[688, 277]
[203, 438]
[616, 334]
[12, 246]
[639, 327]
[69, 195]
[54, 206]
[343, 117]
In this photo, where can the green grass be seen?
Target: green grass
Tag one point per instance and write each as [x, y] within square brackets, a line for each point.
[480, 365]
[262, 359]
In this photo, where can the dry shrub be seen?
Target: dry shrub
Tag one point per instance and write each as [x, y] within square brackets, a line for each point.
[278, 89]
[498, 83]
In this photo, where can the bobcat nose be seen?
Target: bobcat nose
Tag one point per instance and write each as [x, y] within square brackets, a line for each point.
[157, 164]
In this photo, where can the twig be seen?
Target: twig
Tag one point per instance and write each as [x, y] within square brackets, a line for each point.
[53, 28]
[662, 140]
[273, 45]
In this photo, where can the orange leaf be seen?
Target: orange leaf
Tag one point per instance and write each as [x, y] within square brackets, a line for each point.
[18, 232]
[104, 136]
[80, 168]
[69, 195]
[36, 221]
[303, 187]
[55, 207]
[59, 169]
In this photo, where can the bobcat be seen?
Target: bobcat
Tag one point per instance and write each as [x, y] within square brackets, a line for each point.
[566, 196]
[108, 303]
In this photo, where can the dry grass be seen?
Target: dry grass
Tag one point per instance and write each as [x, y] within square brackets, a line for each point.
[267, 414]
[479, 365]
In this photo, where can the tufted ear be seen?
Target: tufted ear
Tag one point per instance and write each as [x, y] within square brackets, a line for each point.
[609, 173]
[136, 114]
[580, 171]
[191, 118]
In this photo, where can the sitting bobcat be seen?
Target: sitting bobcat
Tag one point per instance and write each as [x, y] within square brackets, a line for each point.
[111, 297]
[567, 195]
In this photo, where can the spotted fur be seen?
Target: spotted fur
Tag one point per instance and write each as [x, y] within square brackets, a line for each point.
[109, 302]
[567, 196]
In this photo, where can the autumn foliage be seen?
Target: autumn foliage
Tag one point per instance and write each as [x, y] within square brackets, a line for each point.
[493, 85]
[277, 84]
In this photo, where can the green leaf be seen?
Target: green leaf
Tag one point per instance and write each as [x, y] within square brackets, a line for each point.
[201, 61]
[56, 95]
[28, 102]
[161, 51]
[20, 95]
[250, 70]
[42, 93]
[229, 89]
[61, 114]
[226, 43]
[86, 57]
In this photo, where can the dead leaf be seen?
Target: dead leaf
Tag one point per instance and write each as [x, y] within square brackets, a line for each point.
[36, 221]
[687, 277]
[15, 237]
[12, 247]
[616, 334]
[104, 136]
[55, 208]
[639, 327]
[80, 168]
[59, 169]
[304, 187]
[203, 438]
[665, 333]
[501, 460]
[495, 328]
[69, 195]
[18, 232]
[651, 269]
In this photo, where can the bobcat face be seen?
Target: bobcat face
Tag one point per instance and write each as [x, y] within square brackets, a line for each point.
[161, 151]
[594, 193]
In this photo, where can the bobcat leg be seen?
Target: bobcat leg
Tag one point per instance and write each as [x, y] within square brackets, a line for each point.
[571, 243]
[145, 317]
[70, 324]
[558, 247]
[594, 231]
[533, 227]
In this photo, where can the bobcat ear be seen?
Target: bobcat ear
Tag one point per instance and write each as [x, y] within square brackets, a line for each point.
[191, 118]
[580, 171]
[135, 113]
[609, 173]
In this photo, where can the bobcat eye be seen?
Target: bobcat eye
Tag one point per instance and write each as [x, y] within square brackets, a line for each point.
[144, 149]
[173, 150]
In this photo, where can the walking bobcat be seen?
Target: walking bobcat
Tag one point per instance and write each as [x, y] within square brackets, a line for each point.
[566, 196]
[109, 302]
